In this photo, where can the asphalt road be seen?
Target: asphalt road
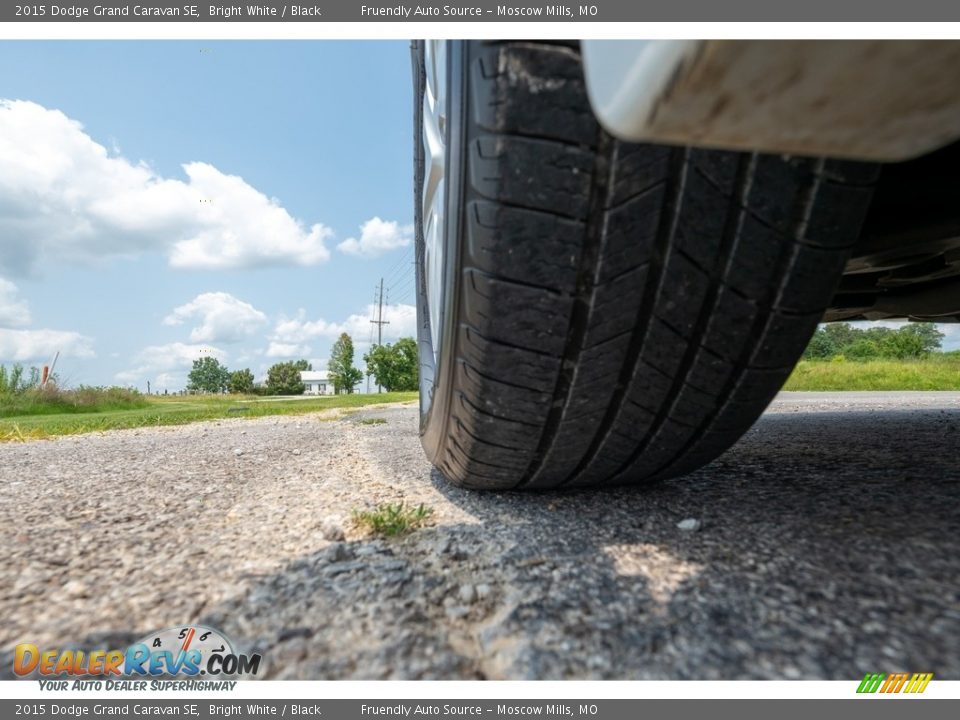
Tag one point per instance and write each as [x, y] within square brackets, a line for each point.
[828, 546]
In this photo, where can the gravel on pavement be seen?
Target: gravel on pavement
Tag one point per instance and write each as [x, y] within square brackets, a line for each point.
[826, 544]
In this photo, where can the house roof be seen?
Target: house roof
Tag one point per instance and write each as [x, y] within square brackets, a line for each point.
[313, 376]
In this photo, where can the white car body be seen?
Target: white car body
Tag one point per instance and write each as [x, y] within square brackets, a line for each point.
[868, 100]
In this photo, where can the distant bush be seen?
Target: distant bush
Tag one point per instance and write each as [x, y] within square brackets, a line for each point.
[21, 398]
[240, 382]
[912, 341]
[14, 381]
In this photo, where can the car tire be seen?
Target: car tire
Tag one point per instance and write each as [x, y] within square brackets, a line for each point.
[608, 312]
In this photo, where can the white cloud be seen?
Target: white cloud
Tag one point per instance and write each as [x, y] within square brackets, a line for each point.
[286, 350]
[299, 329]
[291, 336]
[172, 362]
[378, 237]
[63, 194]
[20, 345]
[243, 228]
[13, 312]
[951, 335]
[223, 318]
[402, 321]
[26, 345]
[167, 381]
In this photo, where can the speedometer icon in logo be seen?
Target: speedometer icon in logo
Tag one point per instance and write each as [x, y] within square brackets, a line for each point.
[189, 650]
[192, 637]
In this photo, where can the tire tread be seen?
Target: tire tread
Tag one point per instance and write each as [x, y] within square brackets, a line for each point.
[626, 310]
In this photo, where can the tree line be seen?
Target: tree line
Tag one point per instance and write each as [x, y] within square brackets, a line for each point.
[394, 367]
[843, 340]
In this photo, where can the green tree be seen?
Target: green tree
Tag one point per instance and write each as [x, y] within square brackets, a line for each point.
[929, 337]
[863, 349]
[208, 376]
[303, 365]
[913, 340]
[842, 334]
[340, 369]
[395, 367]
[820, 347]
[284, 379]
[241, 381]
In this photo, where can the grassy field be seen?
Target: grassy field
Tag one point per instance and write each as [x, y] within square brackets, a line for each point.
[52, 401]
[29, 416]
[36, 422]
[938, 372]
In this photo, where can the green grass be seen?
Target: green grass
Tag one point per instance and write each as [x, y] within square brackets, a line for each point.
[372, 421]
[391, 519]
[937, 372]
[36, 423]
[53, 401]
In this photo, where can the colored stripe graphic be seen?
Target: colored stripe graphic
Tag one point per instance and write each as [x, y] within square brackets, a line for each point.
[894, 682]
[871, 682]
[918, 683]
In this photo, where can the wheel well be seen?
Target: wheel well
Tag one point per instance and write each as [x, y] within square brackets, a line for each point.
[906, 262]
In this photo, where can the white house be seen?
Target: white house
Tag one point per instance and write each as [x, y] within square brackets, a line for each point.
[316, 382]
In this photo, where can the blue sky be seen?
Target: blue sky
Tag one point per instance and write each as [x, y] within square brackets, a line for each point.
[163, 199]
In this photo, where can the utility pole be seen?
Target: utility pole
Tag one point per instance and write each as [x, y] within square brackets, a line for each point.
[370, 340]
[380, 322]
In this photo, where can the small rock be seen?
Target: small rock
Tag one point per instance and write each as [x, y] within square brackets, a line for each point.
[443, 545]
[348, 566]
[296, 451]
[689, 525]
[338, 552]
[373, 548]
[457, 612]
[331, 528]
[483, 591]
[294, 632]
[238, 452]
[392, 566]
[468, 593]
[75, 589]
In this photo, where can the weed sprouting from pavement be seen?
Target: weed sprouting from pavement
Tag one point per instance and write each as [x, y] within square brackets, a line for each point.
[392, 519]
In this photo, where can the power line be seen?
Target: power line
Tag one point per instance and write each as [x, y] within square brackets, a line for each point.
[399, 262]
[402, 287]
[400, 269]
[404, 294]
[401, 277]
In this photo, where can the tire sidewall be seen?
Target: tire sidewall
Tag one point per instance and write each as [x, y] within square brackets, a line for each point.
[436, 377]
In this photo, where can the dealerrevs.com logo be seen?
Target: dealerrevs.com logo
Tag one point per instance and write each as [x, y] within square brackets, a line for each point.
[183, 654]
